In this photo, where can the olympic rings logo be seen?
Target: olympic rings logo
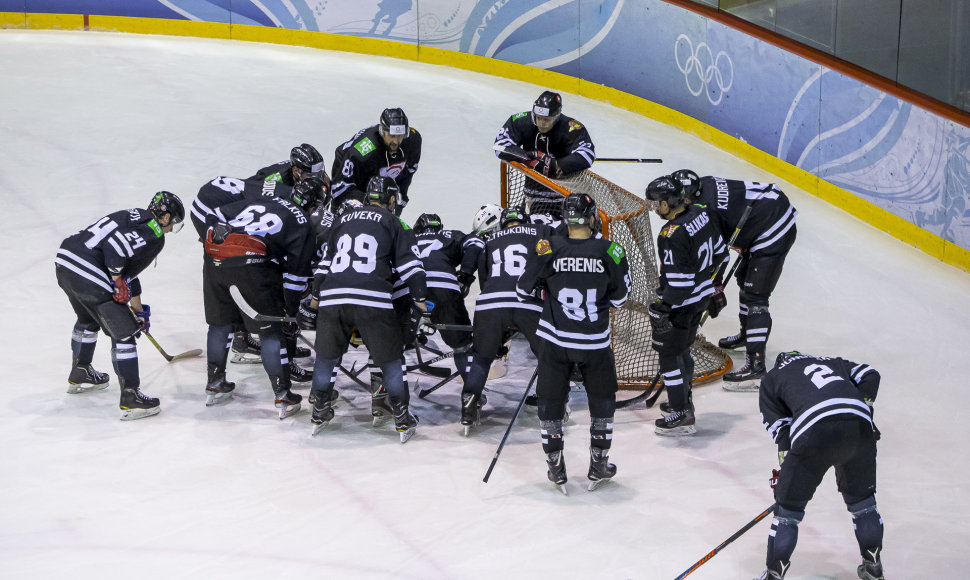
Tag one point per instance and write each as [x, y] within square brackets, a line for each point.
[705, 67]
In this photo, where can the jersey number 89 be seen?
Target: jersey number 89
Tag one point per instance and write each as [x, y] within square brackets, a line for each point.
[363, 246]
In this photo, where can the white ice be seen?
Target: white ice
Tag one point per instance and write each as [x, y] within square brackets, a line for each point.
[96, 122]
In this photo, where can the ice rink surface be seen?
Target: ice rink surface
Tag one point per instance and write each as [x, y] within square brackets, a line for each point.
[97, 122]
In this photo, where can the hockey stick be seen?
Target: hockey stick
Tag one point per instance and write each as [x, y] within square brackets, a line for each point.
[170, 358]
[251, 312]
[723, 544]
[625, 160]
[642, 396]
[511, 423]
[425, 392]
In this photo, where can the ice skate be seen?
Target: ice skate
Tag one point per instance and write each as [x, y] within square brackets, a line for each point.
[218, 390]
[732, 342]
[557, 470]
[601, 471]
[380, 409]
[676, 424]
[666, 408]
[334, 395]
[245, 349]
[404, 421]
[84, 379]
[321, 416]
[286, 401]
[871, 567]
[471, 412]
[747, 379]
[135, 405]
[299, 374]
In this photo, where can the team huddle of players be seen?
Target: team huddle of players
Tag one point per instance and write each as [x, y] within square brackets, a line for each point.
[290, 249]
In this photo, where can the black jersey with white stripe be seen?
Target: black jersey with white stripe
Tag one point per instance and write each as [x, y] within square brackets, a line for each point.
[502, 262]
[807, 389]
[690, 248]
[568, 141]
[365, 155]
[447, 252]
[367, 248]
[224, 190]
[286, 231]
[282, 172]
[772, 214]
[582, 279]
[122, 243]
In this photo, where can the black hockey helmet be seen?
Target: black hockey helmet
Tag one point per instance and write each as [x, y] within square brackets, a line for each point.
[381, 189]
[349, 205]
[306, 158]
[666, 189]
[394, 122]
[427, 222]
[167, 202]
[307, 193]
[689, 180]
[579, 209]
[784, 358]
[549, 104]
[513, 214]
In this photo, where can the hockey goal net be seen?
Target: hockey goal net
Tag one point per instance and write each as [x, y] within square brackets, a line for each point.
[625, 220]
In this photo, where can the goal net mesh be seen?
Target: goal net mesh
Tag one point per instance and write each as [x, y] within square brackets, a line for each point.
[626, 220]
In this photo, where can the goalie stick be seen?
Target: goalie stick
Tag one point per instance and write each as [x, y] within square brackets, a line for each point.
[627, 160]
[724, 544]
[172, 358]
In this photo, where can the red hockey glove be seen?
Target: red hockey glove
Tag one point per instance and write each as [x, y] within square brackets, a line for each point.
[545, 164]
[122, 293]
[774, 478]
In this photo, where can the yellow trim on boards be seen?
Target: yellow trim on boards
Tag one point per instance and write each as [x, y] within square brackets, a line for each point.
[879, 218]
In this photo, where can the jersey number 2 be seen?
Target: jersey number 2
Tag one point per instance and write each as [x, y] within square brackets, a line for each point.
[821, 375]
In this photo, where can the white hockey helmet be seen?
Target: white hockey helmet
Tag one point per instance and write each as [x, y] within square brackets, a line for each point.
[488, 219]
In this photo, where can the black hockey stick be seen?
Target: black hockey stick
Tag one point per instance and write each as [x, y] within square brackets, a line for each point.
[251, 312]
[642, 396]
[626, 160]
[734, 236]
[511, 423]
[723, 544]
[350, 374]
[172, 358]
[425, 392]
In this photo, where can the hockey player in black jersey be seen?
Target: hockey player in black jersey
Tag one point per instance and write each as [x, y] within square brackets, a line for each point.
[206, 206]
[265, 249]
[353, 287]
[392, 148]
[690, 248]
[764, 240]
[497, 309]
[819, 412]
[580, 277]
[548, 142]
[98, 269]
[450, 259]
[305, 162]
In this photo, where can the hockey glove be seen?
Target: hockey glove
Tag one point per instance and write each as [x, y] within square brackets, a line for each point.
[307, 315]
[718, 302]
[465, 281]
[122, 293]
[545, 164]
[774, 478]
[290, 330]
[660, 317]
[144, 317]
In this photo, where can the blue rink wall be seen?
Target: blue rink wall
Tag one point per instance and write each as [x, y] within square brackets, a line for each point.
[901, 168]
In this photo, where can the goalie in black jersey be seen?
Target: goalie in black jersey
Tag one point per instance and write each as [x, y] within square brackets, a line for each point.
[497, 310]
[392, 149]
[580, 277]
[207, 208]
[764, 239]
[263, 248]
[98, 269]
[819, 412]
[548, 142]
[691, 249]
[353, 287]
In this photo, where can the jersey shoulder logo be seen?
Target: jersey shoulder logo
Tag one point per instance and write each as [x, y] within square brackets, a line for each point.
[274, 177]
[575, 126]
[518, 116]
[616, 252]
[668, 230]
[364, 146]
[543, 247]
[154, 226]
